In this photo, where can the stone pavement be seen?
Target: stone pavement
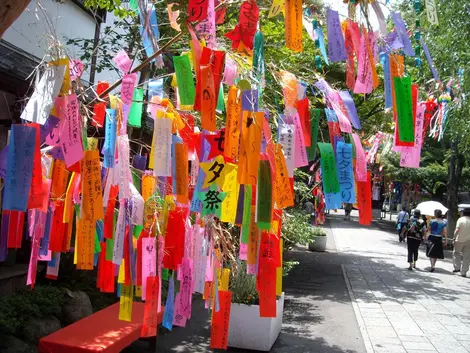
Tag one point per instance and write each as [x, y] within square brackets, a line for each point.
[400, 310]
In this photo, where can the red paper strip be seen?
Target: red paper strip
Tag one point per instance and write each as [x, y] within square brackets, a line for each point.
[350, 66]
[36, 194]
[364, 201]
[244, 32]
[149, 325]
[268, 262]
[304, 114]
[109, 214]
[58, 240]
[221, 321]
[216, 60]
[15, 229]
[197, 10]
[99, 109]
[174, 241]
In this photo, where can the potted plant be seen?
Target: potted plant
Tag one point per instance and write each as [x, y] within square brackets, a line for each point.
[247, 330]
[296, 229]
[319, 240]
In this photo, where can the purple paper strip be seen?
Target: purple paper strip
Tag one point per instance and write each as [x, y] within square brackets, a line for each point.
[402, 33]
[241, 198]
[250, 100]
[4, 236]
[44, 248]
[56, 153]
[336, 46]
[430, 61]
[3, 162]
[51, 123]
[351, 108]
[139, 162]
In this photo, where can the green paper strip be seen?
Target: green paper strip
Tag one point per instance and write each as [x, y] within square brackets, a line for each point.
[137, 179]
[97, 243]
[258, 55]
[264, 199]
[246, 214]
[109, 249]
[314, 123]
[136, 230]
[403, 99]
[328, 167]
[135, 114]
[184, 79]
[165, 274]
[220, 101]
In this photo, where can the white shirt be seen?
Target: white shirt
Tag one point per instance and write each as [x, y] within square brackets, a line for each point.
[402, 217]
[463, 227]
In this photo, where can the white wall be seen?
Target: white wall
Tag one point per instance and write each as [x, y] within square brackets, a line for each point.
[44, 19]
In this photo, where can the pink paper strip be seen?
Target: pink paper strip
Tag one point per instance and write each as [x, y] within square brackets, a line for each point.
[361, 165]
[251, 269]
[364, 73]
[243, 251]
[149, 264]
[207, 27]
[185, 288]
[71, 131]
[341, 113]
[230, 72]
[300, 154]
[178, 318]
[411, 156]
[123, 61]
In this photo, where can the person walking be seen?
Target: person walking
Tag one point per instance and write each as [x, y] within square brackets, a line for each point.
[437, 231]
[310, 210]
[415, 231]
[347, 211]
[402, 220]
[462, 244]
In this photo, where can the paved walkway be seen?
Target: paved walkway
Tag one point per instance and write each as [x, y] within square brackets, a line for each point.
[400, 310]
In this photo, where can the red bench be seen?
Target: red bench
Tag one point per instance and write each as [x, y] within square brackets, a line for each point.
[100, 332]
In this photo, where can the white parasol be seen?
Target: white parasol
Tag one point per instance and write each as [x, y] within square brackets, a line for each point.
[427, 208]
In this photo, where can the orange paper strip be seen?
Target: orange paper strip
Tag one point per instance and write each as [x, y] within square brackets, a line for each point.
[208, 99]
[181, 175]
[282, 192]
[85, 244]
[232, 124]
[293, 18]
[250, 146]
[92, 200]
[60, 175]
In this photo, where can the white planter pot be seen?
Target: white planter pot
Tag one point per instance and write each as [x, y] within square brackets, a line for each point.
[248, 330]
[319, 244]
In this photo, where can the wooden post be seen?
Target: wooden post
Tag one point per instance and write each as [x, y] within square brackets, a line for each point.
[10, 10]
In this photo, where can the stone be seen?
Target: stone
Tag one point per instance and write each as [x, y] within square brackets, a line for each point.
[35, 329]
[76, 307]
[12, 344]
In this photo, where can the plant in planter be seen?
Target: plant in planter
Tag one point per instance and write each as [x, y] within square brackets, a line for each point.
[247, 329]
[296, 229]
[319, 240]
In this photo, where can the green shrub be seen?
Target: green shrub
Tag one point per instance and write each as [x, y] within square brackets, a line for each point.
[319, 232]
[26, 304]
[296, 229]
[243, 286]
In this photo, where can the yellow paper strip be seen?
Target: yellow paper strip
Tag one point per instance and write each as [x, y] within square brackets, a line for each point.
[125, 303]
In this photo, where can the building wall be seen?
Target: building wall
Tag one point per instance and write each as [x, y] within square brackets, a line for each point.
[33, 30]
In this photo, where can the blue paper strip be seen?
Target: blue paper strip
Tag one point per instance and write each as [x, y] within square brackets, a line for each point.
[19, 167]
[139, 162]
[336, 46]
[332, 201]
[351, 108]
[109, 147]
[344, 167]
[3, 162]
[402, 33]
[429, 59]
[321, 39]
[331, 115]
[156, 87]
[169, 306]
[47, 233]
[385, 60]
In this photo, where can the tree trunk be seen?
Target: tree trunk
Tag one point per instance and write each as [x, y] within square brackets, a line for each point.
[10, 10]
[456, 164]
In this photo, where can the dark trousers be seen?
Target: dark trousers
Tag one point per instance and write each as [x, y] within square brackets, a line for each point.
[413, 247]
